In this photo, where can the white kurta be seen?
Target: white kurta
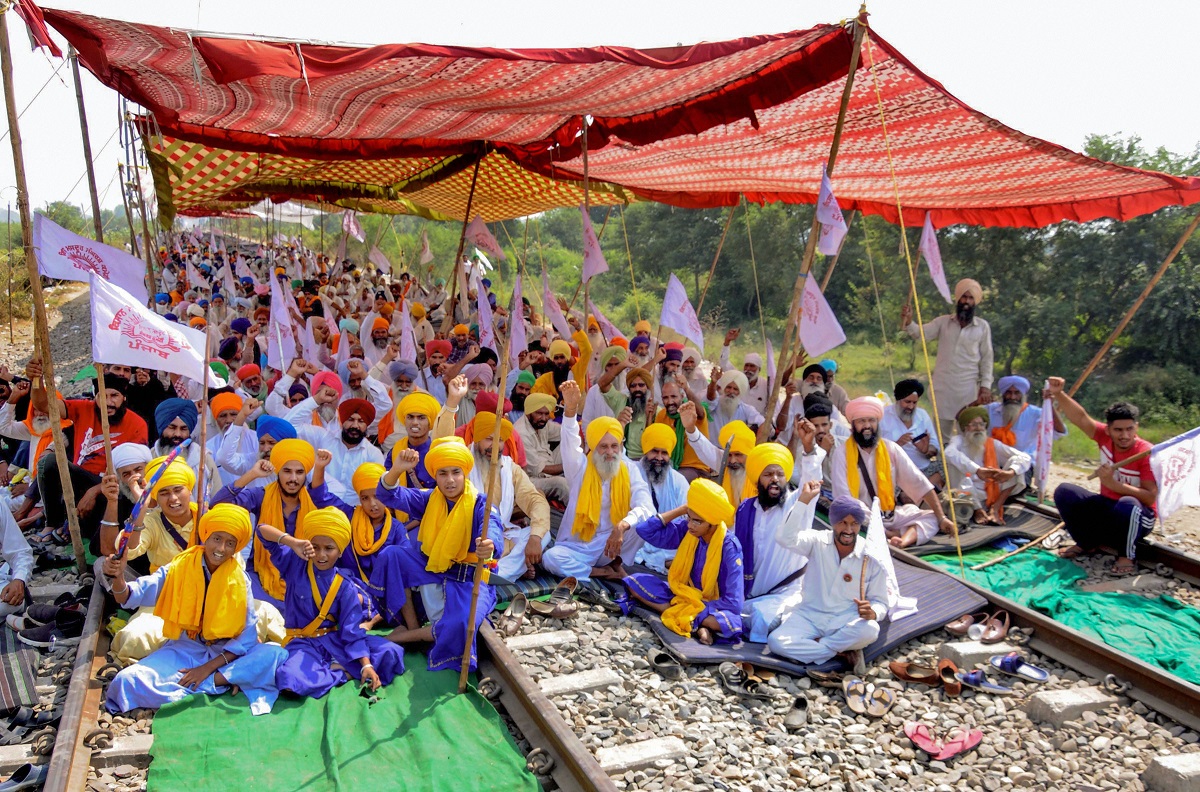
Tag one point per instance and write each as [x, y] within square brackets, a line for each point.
[892, 428]
[1025, 428]
[905, 475]
[963, 463]
[669, 495]
[239, 452]
[964, 361]
[758, 393]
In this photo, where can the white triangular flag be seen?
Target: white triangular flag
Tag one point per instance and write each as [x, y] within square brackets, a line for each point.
[833, 225]
[281, 339]
[377, 258]
[1176, 466]
[340, 253]
[487, 331]
[933, 255]
[351, 225]
[426, 253]
[408, 338]
[878, 551]
[196, 279]
[679, 315]
[1045, 440]
[478, 235]
[67, 256]
[610, 330]
[553, 310]
[819, 328]
[593, 258]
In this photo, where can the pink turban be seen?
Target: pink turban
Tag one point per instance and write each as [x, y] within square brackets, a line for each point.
[864, 407]
[327, 378]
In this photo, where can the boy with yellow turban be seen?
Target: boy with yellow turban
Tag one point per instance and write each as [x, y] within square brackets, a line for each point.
[282, 503]
[416, 413]
[323, 612]
[203, 597]
[609, 497]
[703, 591]
[454, 533]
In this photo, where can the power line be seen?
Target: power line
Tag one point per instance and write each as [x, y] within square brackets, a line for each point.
[36, 95]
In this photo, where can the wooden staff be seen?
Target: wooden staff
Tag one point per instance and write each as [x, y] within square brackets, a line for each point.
[1120, 328]
[102, 399]
[448, 319]
[41, 323]
[711, 270]
[810, 248]
[1138, 457]
[492, 486]
[200, 499]
[149, 246]
[87, 148]
[1020, 549]
[838, 255]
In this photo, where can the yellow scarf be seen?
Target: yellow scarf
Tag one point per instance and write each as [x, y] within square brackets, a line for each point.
[445, 533]
[884, 488]
[271, 513]
[587, 513]
[688, 601]
[187, 605]
[362, 532]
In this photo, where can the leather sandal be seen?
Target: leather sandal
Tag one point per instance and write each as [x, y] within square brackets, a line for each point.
[666, 665]
[963, 623]
[915, 672]
[561, 604]
[995, 629]
[948, 672]
[510, 621]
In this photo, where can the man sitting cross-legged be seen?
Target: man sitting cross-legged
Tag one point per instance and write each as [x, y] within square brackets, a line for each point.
[996, 471]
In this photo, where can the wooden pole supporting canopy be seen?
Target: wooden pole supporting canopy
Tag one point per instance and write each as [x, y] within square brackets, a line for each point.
[87, 150]
[448, 319]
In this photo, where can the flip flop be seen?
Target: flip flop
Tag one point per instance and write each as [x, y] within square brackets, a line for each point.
[829, 679]
[963, 623]
[1121, 570]
[948, 672]
[921, 737]
[880, 702]
[856, 694]
[996, 628]
[977, 680]
[959, 742]
[1013, 663]
[798, 715]
[915, 672]
[666, 665]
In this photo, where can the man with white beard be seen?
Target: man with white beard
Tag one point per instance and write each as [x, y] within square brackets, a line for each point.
[318, 410]
[756, 391]
[523, 545]
[668, 488]
[725, 403]
[479, 376]
[1014, 421]
[911, 428]
[608, 497]
[996, 471]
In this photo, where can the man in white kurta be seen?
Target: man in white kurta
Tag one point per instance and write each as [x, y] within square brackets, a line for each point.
[963, 372]
[974, 455]
[347, 441]
[601, 554]
[725, 403]
[831, 618]
[911, 428]
[757, 387]
[906, 524]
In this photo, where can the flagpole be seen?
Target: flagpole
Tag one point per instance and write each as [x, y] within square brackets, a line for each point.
[102, 399]
[41, 323]
[711, 270]
[448, 319]
[838, 255]
[810, 248]
[148, 248]
[200, 499]
[87, 146]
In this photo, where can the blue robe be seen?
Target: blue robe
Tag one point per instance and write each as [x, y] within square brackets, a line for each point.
[727, 608]
[308, 669]
[154, 680]
[251, 499]
[422, 476]
[743, 528]
[408, 562]
[385, 591]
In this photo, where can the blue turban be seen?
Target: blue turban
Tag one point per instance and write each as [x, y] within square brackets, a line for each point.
[241, 325]
[348, 326]
[1020, 383]
[487, 282]
[247, 281]
[638, 341]
[227, 348]
[298, 389]
[270, 426]
[170, 317]
[844, 506]
[218, 296]
[175, 408]
[402, 367]
[827, 364]
[203, 303]
[344, 371]
[162, 297]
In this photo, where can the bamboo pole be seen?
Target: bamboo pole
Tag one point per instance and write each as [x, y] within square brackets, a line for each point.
[9, 257]
[102, 400]
[810, 248]
[149, 246]
[200, 499]
[41, 323]
[637, 304]
[448, 319]
[1138, 457]
[133, 245]
[716, 257]
[1120, 328]
[87, 149]
[838, 255]
[1020, 549]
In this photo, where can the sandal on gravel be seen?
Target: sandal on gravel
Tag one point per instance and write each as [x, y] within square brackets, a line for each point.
[666, 665]
[977, 680]
[734, 679]
[963, 623]
[948, 672]
[880, 702]
[921, 737]
[27, 776]
[798, 715]
[1013, 663]
[509, 622]
[597, 594]
[995, 629]
[958, 742]
[22, 717]
[829, 679]
[14, 736]
[856, 694]
[915, 672]
[561, 604]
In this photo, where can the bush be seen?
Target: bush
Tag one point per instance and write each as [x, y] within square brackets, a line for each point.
[1167, 395]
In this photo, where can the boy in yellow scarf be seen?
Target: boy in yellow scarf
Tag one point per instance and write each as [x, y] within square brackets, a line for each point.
[454, 533]
[203, 597]
[703, 591]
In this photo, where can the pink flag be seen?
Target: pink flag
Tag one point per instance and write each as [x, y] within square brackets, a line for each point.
[819, 328]
[351, 225]
[426, 253]
[679, 315]
[67, 256]
[553, 310]
[127, 333]
[478, 235]
[408, 338]
[487, 330]
[1045, 440]
[377, 258]
[242, 268]
[593, 258]
[833, 225]
[933, 255]
[517, 340]
[610, 330]
[281, 339]
[340, 253]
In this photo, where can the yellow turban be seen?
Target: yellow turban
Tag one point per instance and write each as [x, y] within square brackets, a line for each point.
[708, 499]
[177, 475]
[559, 347]
[485, 426]
[461, 329]
[447, 452]
[330, 521]
[225, 401]
[658, 436]
[536, 401]
[227, 518]
[599, 427]
[417, 310]
[642, 328]
[417, 403]
[743, 437]
[367, 476]
[293, 449]
[759, 459]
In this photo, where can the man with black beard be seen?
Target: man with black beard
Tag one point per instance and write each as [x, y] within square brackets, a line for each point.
[520, 391]
[910, 427]
[176, 421]
[560, 368]
[349, 449]
[668, 488]
[642, 410]
[963, 372]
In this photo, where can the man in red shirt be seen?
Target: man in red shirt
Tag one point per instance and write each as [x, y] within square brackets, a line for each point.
[86, 457]
[1124, 510]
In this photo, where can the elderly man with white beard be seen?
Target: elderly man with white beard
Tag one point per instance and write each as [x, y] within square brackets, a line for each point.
[756, 391]
[608, 497]
[867, 466]
[1014, 421]
[911, 428]
[996, 471]
[725, 403]
[479, 376]
[668, 487]
[542, 437]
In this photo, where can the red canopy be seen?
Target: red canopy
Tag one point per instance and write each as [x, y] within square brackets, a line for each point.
[692, 126]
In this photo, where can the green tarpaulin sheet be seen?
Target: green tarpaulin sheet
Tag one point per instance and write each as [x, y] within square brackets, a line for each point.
[420, 735]
[1159, 630]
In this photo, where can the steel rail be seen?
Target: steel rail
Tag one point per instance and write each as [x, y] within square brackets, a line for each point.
[69, 741]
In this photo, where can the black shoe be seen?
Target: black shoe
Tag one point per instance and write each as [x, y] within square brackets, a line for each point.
[596, 593]
[65, 630]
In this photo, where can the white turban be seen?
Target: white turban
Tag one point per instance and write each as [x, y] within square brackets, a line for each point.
[130, 454]
[754, 359]
[736, 377]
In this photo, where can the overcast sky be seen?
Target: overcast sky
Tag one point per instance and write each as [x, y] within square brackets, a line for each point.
[1057, 70]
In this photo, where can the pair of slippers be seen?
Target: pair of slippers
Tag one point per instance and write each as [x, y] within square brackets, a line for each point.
[864, 699]
[981, 627]
[560, 605]
[741, 680]
[957, 742]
